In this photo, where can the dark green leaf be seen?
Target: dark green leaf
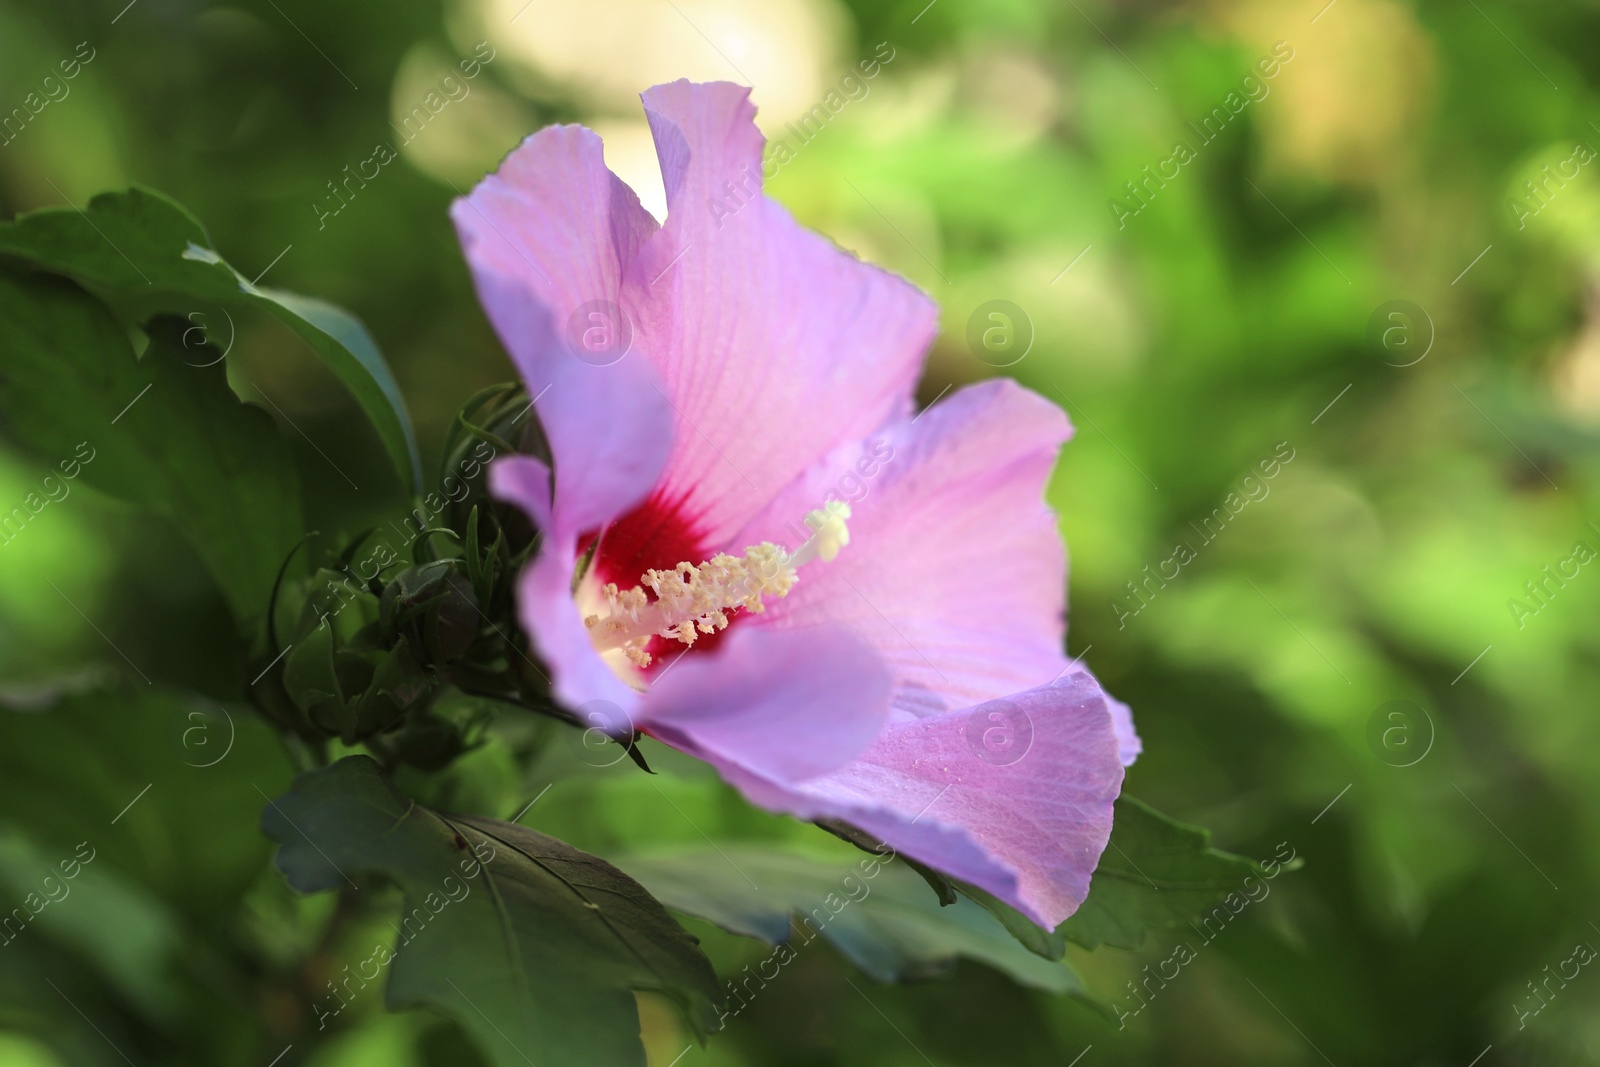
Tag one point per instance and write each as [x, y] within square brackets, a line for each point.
[146, 254]
[127, 935]
[1158, 873]
[1051, 944]
[943, 886]
[309, 679]
[535, 949]
[163, 784]
[155, 430]
[877, 912]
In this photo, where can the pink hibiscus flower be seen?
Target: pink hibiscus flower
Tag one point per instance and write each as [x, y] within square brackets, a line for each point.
[713, 388]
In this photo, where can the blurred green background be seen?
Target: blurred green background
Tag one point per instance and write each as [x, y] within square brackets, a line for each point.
[1234, 305]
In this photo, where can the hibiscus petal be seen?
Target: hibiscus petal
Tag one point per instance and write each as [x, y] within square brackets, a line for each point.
[784, 706]
[548, 237]
[955, 569]
[524, 481]
[1128, 744]
[774, 345]
[580, 679]
[1013, 796]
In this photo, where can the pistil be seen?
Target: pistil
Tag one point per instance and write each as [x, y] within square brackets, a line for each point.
[691, 600]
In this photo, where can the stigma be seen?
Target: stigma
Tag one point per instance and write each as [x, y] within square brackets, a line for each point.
[690, 600]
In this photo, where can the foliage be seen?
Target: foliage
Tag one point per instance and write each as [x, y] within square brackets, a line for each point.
[188, 450]
[894, 930]
[146, 254]
[1158, 873]
[546, 956]
[542, 958]
[1246, 303]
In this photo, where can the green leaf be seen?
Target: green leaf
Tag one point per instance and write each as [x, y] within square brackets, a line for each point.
[1158, 873]
[164, 784]
[529, 943]
[1051, 944]
[124, 933]
[309, 679]
[877, 912]
[145, 254]
[156, 430]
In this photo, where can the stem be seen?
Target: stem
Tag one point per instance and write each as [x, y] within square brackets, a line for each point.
[307, 755]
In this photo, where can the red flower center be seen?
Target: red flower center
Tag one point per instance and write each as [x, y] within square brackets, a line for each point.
[657, 535]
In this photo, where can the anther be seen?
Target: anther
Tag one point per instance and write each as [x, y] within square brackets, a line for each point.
[692, 600]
